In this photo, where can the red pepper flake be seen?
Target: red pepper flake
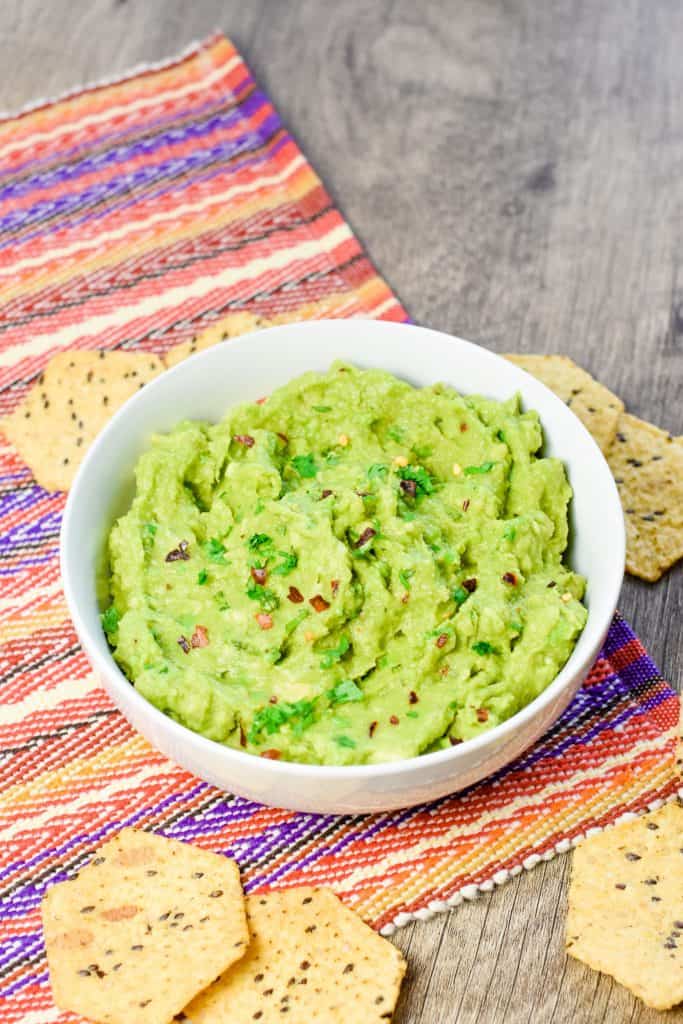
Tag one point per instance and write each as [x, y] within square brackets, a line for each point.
[259, 575]
[552, 584]
[294, 595]
[244, 439]
[371, 729]
[410, 487]
[272, 754]
[319, 603]
[470, 585]
[264, 620]
[179, 554]
[185, 644]
[394, 719]
[509, 577]
[283, 437]
[442, 639]
[334, 585]
[454, 741]
[465, 504]
[463, 428]
[243, 737]
[482, 715]
[444, 670]
[367, 534]
[413, 697]
[200, 637]
[273, 699]
[405, 598]
[260, 401]
[325, 494]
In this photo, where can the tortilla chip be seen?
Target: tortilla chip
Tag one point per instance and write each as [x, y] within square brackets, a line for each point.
[234, 324]
[144, 927]
[648, 468]
[626, 905]
[67, 407]
[596, 406]
[310, 958]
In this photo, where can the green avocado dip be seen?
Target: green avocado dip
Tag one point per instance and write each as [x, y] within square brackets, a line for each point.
[353, 571]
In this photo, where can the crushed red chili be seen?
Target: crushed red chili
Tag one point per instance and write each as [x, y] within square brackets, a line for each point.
[294, 595]
[463, 428]
[509, 577]
[552, 584]
[319, 603]
[441, 640]
[470, 585]
[244, 439]
[200, 637]
[184, 644]
[259, 575]
[334, 586]
[465, 504]
[410, 487]
[243, 737]
[453, 740]
[272, 754]
[371, 729]
[394, 719]
[179, 554]
[264, 620]
[326, 493]
[482, 715]
[367, 534]
[273, 699]
[283, 437]
[413, 697]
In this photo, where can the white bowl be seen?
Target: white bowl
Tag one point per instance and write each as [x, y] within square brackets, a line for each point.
[207, 385]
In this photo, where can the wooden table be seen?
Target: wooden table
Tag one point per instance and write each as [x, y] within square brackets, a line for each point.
[515, 169]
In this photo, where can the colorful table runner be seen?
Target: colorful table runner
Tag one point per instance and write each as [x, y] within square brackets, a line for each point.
[132, 214]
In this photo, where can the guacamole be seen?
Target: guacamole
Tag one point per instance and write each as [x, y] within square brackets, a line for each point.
[351, 571]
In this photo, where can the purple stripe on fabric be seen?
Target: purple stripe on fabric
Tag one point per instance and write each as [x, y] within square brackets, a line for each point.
[175, 188]
[23, 946]
[619, 634]
[27, 563]
[40, 979]
[143, 176]
[68, 170]
[20, 499]
[44, 528]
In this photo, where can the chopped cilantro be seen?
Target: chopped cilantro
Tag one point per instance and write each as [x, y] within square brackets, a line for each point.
[221, 601]
[202, 577]
[110, 619]
[516, 627]
[422, 451]
[383, 661]
[296, 621]
[332, 458]
[265, 597]
[485, 467]
[484, 647]
[509, 533]
[334, 654]
[396, 433]
[460, 595]
[412, 714]
[215, 551]
[259, 507]
[305, 465]
[377, 471]
[501, 436]
[345, 692]
[345, 741]
[404, 576]
[257, 540]
[424, 482]
[272, 717]
[289, 562]
[322, 408]
[406, 513]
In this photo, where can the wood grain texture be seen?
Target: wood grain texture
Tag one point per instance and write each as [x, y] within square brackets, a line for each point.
[516, 171]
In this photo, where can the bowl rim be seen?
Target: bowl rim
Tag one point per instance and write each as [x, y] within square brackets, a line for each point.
[107, 667]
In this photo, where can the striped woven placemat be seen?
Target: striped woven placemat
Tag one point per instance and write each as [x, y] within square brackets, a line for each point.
[132, 214]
